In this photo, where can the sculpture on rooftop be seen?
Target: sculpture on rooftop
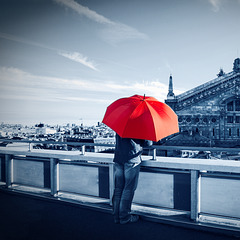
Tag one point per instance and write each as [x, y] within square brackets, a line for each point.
[236, 65]
[221, 73]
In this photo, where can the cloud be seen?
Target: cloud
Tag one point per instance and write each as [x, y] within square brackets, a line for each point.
[74, 56]
[32, 98]
[114, 32]
[18, 84]
[81, 99]
[218, 4]
[120, 32]
[82, 10]
[78, 57]
[23, 40]
[215, 4]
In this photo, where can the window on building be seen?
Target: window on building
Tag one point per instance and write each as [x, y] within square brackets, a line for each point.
[230, 106]
[237, 105]
[234, 106]
[237, 119]
[238, 133]
[213, 132]
[230, 132]
[214, 120]
[229, 119]
[196, 120]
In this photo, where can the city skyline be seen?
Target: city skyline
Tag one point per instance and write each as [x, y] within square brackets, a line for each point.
[66, 61]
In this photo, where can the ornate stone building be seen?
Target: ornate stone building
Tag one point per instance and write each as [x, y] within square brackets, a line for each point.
[209, 115]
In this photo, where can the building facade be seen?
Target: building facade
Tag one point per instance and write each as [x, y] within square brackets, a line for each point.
[209, 115]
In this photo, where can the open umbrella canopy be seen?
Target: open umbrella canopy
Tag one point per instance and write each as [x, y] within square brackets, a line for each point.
[141, 117]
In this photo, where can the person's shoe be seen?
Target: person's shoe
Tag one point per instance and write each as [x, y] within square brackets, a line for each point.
[132, 219]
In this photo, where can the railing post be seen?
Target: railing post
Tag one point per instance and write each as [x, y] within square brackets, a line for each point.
[9, 170]
[83, 149]
[54, 171]
[195, 194]
[30, 147]
[154, 154]
[111, 181]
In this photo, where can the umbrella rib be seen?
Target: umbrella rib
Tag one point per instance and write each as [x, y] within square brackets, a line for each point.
[151, 109]
[124, 132]
[142, 102]
[167, 132]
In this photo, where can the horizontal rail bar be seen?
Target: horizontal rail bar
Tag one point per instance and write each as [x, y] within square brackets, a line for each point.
[60, 143]
[220, 175]
[159, 147]
[160, 162]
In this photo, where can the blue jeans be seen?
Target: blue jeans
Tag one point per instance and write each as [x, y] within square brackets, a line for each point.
[126, 180]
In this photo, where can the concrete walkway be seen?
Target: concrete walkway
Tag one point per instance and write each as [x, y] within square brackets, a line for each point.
[25, 217]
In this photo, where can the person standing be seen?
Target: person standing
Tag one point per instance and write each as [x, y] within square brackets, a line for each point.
[127, 159]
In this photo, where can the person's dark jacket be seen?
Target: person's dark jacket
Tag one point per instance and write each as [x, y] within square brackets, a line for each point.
[129, 148]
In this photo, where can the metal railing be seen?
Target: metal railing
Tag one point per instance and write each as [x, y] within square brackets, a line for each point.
[175, 183]
[152, 150]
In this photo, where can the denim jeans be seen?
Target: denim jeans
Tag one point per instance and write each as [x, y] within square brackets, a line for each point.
[126, 180]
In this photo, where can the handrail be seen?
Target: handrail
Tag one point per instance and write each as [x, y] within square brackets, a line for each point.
[159, 147]
[54, 142]
[160, 162]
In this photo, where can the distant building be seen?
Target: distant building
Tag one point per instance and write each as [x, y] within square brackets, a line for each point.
[41, 129]
[209, 115]
[81, 141]
[108, 140]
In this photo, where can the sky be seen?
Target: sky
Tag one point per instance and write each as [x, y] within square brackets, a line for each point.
[65, 61]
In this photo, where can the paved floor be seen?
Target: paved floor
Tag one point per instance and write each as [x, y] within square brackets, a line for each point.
[24, 217]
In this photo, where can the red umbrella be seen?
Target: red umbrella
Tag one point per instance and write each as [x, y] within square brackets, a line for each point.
[141, 117]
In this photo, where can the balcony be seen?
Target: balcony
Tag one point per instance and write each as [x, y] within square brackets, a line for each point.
[194, 194]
